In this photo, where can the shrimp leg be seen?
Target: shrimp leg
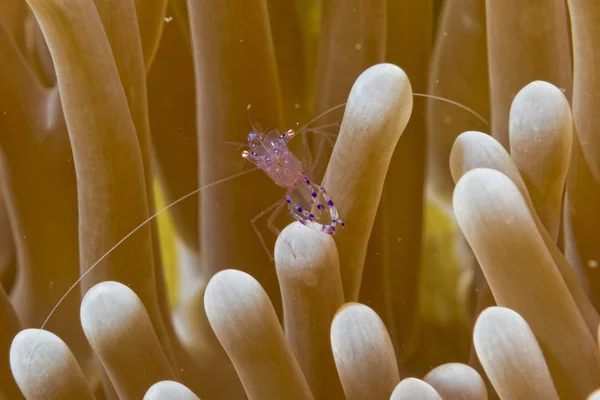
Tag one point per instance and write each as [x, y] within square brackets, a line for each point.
[275, 214]
[335, 218]
[307, 218]
[253, 223]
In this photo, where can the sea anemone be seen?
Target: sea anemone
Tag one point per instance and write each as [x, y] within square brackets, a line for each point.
[133, 260]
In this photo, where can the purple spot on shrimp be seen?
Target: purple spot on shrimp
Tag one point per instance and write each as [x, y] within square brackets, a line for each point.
[329, 229]
[330, 203]
[341, 222]
[313, 194]
[307, 181]
[288, 200]
[299, 209]
[320, 206]
[311, 216]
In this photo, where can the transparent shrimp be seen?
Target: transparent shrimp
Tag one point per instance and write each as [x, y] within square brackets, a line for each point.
[270, 153]
[282, 178]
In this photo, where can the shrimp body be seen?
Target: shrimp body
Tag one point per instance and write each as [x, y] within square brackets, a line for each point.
[271, 153]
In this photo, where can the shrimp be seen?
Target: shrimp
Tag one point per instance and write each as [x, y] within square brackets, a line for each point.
[270, 153]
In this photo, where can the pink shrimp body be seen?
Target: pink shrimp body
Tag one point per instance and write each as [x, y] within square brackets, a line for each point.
[271, 154]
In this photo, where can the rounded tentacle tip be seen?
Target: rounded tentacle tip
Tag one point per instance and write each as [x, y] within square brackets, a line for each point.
[541, 140]
[45, 368]
[232, 290]
[31, 346]
[540, 113]
[350, 319]
[106, 293]
[388, 70]
[479, 181]
[169, 390]
[381, 88]
[357, 333]
[106, 302]
[542, 91]
[461, 156]
[297, 243]
[456, 379]
[412, 388]
[350, 312]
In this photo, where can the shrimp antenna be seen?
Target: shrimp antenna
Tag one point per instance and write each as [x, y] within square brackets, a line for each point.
[248, 107]
[137, 228]
[238, 144]
[429, 96]
[456, 103]
[321, 116]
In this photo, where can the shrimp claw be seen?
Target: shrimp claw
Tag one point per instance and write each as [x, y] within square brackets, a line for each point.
[310, 220]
